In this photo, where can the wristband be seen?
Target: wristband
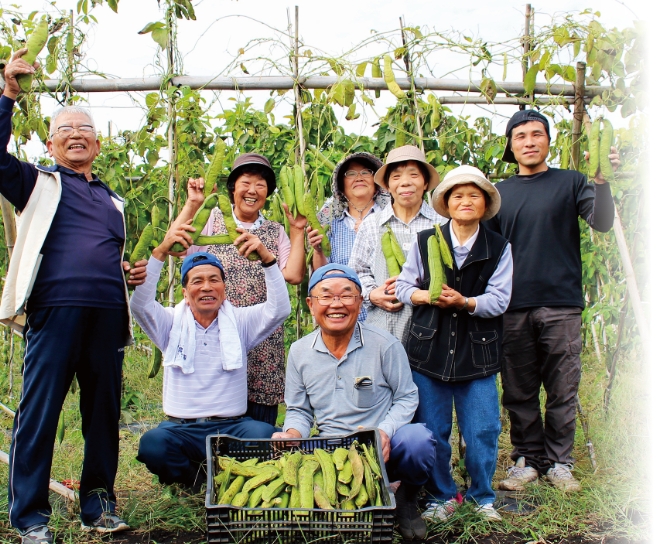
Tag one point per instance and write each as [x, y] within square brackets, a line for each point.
[270, 263]
[467, 301]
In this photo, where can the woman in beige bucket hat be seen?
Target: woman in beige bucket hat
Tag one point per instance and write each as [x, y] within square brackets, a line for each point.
[407, 176]
[454, 342]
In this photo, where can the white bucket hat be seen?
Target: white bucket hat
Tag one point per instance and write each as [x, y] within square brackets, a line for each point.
[460, 176]
[403, 154]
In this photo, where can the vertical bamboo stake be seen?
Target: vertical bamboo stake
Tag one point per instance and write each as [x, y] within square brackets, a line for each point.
[526, 45]
[408, 68]
[631, 284]
[70, 61]
[300, 130]
[578, 115]
[172, 158]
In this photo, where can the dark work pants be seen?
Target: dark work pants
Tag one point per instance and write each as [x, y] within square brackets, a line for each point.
[542, 347]
[263, 412]
[176, 451]
[62, 342]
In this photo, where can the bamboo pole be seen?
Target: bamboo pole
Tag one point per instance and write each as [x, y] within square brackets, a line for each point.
[634, 294]
[172, 157]
[57, 487]
[578, 115]
[248, 83]
[413, 96]
[302, 142]
[526, 46]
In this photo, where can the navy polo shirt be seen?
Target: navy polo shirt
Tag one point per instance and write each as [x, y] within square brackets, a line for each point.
[82, 253]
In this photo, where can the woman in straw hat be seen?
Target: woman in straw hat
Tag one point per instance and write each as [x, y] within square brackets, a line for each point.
[454, 341]
[356, 196]
[407, 176]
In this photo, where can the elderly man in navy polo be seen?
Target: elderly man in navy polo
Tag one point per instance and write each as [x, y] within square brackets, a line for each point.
[349, 375]
[67, 276]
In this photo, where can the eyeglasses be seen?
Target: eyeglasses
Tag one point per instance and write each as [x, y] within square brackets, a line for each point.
[66, 130]
[363, 173]
[326, 300]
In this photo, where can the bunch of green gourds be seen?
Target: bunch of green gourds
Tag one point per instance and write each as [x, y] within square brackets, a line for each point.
[600, 143]
[439, 257]
[345, 479]
[392, 252]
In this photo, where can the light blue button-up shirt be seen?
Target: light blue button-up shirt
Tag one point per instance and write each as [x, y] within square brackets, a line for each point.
[369, 386]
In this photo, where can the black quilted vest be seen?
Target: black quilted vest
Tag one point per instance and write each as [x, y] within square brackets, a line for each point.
[449, 344]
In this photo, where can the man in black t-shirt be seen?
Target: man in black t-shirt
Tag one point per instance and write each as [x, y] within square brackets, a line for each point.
[542, 344]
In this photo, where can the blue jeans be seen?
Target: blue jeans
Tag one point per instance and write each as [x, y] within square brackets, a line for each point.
[478, 415]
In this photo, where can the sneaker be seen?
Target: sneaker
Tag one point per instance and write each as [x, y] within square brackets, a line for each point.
[106, 523]
[37, 534]
[488, 512]
[410, 523]
[518, 475]
[436, 511]
[560, 476]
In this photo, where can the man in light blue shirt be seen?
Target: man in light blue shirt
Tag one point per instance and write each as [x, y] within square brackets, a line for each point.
[348, 376]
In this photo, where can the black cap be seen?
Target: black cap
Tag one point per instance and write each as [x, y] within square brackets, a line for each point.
[520, 118]
[254, 159]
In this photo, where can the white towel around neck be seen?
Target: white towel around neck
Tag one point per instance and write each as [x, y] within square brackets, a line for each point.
[181, 348]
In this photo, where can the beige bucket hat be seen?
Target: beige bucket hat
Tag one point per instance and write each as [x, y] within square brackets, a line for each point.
[403, 154]
[460, 176]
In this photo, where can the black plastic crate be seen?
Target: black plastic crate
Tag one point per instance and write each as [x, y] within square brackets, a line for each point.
[230, 524]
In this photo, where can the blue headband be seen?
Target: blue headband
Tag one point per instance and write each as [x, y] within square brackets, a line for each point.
[332, 271]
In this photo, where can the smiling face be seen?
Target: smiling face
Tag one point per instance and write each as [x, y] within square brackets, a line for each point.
[407, 185]
[467, 204]
[530, 145]
[204, 292]
[337, 319]
[77, 150]
[249, 196]
[360, 187]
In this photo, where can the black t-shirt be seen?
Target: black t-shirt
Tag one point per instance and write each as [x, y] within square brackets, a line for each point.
[539, 216]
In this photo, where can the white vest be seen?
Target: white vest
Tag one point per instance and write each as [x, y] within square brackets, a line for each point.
[32, 227]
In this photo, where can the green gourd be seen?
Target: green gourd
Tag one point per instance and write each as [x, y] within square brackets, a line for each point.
[35, 44]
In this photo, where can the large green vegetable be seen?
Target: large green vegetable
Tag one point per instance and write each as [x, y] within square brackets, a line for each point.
[35, 44]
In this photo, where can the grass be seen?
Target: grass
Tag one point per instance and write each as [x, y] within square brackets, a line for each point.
[612, 503]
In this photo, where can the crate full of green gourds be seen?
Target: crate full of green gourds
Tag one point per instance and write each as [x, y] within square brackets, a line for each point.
[302, 490]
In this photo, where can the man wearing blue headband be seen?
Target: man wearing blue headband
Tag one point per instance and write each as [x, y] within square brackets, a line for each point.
[204, 340]
[348, 376]
[539, 217]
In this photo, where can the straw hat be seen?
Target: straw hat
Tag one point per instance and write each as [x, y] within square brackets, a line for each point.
[460, 176]
[403, 154]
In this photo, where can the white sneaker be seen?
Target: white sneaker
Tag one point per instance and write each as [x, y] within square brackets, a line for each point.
[488, 512]
[518, 475]
[560, 476]
[436, 511]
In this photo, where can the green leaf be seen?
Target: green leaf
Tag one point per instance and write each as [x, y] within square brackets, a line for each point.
[530, 79]
[112, 4]
[149, 27]
[160, 35]
[269, 105]
[561, 36]
[569, 73]
[488, 88]
[361, 69]
[628, 107]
